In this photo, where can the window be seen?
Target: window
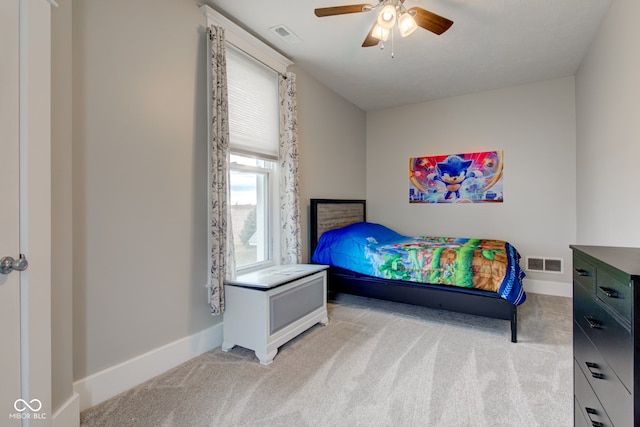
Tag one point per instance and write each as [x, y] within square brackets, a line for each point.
[253, 187]
[254, 140]
[252, 82]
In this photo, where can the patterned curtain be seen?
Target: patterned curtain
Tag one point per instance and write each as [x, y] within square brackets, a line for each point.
[291, 242]
[222, 264]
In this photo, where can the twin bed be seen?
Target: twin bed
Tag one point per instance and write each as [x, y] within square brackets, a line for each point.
[474, 276]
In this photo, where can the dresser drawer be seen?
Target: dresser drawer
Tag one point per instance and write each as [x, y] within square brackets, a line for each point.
[615, 292]
[613, 395]
[586, 401]
[584, 273]
[612, 339]
[578, 418]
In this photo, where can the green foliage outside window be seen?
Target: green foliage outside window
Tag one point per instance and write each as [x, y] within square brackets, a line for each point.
[249, 228]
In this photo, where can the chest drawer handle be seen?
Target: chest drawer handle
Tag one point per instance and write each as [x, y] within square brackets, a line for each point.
[609, 292]
[593, 323]
[591, 366]
[592, 411]
[582, 272]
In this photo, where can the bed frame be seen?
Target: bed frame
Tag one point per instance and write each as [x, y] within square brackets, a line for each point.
[327, 214]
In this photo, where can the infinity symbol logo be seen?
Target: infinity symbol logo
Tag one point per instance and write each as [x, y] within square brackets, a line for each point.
[27, 405]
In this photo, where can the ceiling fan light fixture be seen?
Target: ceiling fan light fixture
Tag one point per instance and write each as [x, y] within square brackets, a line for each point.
[380, 32]
[406, 24]
[387, 17]
[389, 13]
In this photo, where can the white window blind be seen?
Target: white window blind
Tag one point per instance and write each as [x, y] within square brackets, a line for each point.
[253, 105]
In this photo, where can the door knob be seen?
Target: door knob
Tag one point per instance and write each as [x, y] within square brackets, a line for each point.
[8, 264]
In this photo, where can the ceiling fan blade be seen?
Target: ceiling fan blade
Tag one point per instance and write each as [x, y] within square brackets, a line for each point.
[370, 40]
[430, 21]
[341, 10]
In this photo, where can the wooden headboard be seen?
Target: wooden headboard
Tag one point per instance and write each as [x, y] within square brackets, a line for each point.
[327, 214]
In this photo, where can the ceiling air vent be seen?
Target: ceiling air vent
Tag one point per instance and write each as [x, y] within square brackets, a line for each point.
[285, 34]
[545, 265]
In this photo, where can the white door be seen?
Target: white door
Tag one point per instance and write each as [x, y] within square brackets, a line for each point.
[9, 209]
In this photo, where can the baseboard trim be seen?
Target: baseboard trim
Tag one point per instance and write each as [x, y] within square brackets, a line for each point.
[112, 381]
[559, 289]
[68, 415]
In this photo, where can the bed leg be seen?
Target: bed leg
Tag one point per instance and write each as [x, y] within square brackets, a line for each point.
[514, 324]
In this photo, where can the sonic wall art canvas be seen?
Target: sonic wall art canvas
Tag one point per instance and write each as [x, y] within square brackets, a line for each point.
[457, 178]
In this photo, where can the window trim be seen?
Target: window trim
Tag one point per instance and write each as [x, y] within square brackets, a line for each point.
[247, 42]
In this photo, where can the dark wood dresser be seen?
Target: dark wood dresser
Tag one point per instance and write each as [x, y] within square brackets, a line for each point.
[606, 299]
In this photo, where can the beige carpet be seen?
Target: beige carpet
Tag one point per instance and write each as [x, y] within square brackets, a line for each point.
[375, 364]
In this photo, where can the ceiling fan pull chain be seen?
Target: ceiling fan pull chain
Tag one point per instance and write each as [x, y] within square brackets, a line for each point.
[392, 38]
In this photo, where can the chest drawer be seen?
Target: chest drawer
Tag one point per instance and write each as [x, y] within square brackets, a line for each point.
[615, 292]
[578, 418]
[612, 339]
[607, 386]
[584, 273]
[587, 404]
[606, 334]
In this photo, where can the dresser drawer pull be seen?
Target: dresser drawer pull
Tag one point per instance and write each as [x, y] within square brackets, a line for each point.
[592, 411]
[582, 272]
[593, 323]
[590, 367]
[609, 292]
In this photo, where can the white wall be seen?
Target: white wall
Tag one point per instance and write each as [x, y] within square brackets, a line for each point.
[139, 179]
[535, 126]
[332, 138]
[608, 132]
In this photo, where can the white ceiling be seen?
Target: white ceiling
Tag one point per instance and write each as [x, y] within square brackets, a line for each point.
[492, 44]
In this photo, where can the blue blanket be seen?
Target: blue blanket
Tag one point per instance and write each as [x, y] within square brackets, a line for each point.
[376, 250]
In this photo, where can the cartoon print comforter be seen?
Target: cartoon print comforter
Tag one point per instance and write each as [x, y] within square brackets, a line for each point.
[375, 250]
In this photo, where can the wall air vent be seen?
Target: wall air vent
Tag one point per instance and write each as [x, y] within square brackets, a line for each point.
[535, 264]
[545, 265]
[285, 34]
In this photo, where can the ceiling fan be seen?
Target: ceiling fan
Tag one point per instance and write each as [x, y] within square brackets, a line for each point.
[391, 12]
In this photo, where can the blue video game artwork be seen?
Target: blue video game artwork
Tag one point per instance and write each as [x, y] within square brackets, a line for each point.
[457, 178]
